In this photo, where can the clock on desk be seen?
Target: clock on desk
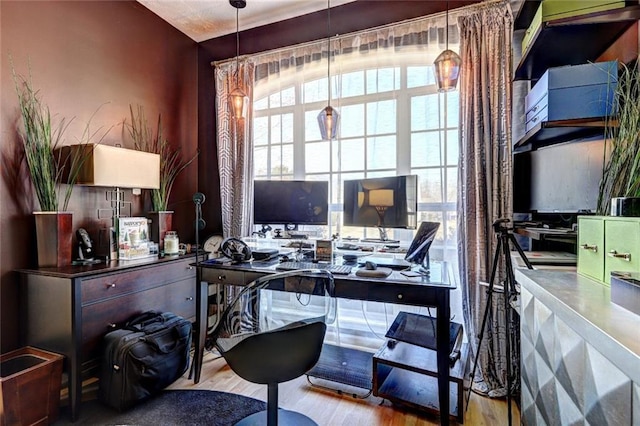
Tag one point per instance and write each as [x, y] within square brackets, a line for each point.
[212, 245]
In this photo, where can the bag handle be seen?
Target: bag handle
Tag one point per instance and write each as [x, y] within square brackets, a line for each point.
[164, 345]
[144, 320]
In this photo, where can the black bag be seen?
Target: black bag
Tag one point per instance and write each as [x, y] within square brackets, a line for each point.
[148, 354]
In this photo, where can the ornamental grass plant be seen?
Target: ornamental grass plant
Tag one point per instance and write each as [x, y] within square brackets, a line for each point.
[49, 166]
[171, 159]
[621, 171]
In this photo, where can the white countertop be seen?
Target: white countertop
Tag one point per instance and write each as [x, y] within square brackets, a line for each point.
[585, 305]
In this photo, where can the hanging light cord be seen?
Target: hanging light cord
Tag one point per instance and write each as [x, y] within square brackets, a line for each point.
[237, 48]
[328, 53]
[446, 28]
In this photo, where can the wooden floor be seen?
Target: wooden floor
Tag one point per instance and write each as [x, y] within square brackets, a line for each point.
[328, 408]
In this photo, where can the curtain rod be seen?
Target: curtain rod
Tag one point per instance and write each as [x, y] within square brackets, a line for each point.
[454, 12]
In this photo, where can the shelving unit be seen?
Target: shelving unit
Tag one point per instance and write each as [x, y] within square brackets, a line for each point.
[406, 374]
[554, 44]
[551, 132]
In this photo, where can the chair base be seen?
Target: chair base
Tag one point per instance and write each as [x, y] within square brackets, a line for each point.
[285, 418]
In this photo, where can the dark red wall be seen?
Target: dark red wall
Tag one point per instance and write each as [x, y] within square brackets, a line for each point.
[88, 56]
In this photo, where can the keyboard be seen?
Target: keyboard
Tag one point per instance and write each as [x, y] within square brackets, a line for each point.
[334, 269]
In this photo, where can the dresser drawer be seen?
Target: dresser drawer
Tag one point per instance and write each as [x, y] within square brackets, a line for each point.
[591, 247]
[100, 318]
[622, 247]
[112, 285]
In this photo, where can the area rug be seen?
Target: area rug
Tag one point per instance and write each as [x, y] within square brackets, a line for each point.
[172, 407]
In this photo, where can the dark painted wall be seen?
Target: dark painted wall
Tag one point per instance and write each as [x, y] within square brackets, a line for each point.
[88, 56]
[346, 18]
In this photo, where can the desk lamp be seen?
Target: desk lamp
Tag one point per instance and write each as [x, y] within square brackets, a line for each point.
[381, 200]
[118, 168]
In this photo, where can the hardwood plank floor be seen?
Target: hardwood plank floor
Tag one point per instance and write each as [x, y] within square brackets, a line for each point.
[329, 408]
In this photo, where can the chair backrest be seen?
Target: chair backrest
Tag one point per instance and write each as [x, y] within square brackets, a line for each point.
[273, 330]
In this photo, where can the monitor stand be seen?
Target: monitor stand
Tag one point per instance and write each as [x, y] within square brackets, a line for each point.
[383, 238]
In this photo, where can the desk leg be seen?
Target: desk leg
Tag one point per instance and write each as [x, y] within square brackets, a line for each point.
[442, 350]
[202, 294]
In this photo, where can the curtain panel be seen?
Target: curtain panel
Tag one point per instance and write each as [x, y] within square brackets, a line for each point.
[235, 148]
[485, 182]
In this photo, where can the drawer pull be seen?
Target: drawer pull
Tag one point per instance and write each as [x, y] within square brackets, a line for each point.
[111, 285]
[590, 247]
[400, 296]
[222, 277]
[623, 256]
[112, 325]
[189, 268]
[189, 299]
[534, 109]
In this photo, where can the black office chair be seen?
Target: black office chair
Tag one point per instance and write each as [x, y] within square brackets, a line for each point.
[273, 332]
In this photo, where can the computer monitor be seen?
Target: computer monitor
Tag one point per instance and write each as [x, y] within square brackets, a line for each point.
[387, 202]
[418, 252]
[290, 202]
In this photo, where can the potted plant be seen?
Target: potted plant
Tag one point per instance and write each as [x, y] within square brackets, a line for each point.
[49, 166]
[171, 164]
[619, 192]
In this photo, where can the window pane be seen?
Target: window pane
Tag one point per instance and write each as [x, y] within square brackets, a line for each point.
[424, 112]
[452, 184]
[314, 91]
[351, 121]
[383, 80]
[316, 157]
[351, 155]
[353, 84]
[429, 185]
[260, 104]
[453, 148]
[276, 136]
[311, 128]
[274, 100]
[282, 159]
[420, 76]
[425, 149]
[287, 127]
[260, 131]
[260, 158]
[381, 153]
[381, 117]
[289, 96]
[453, 107]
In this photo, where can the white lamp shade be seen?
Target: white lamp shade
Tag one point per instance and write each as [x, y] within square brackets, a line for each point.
[328, 120]
[447, 68]
[381, 197]
[110, 166]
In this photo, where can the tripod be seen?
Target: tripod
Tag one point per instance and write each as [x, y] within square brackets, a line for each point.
[504, 235]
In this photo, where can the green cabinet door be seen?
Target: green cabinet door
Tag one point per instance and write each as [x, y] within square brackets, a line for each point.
[591, 247]
[622, 247]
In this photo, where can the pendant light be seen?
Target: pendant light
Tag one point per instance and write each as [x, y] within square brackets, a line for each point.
[238, 99]
[328, 118]
[447, 64]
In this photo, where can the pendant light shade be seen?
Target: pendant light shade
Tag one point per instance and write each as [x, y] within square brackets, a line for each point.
[238, 99]
[447, 67]
[328, 119]
[447, 64]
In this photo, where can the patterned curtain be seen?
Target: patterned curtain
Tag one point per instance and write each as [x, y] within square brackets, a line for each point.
[235, 149]
[484, 182]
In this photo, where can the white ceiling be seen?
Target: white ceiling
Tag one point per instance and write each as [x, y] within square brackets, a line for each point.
[205, 19]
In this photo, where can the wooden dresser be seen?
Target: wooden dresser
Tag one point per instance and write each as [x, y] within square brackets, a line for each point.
[68, 310]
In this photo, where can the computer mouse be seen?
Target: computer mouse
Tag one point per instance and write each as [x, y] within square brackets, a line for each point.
[370, 265]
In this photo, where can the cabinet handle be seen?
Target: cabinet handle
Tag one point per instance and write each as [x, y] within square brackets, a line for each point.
[623, 256]
[534, 119]
[534, 109]
[189, 299]
[400, 296]
[189, 268]
[222, 277]
[112, 325]
[111, 285]
[590, 247]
